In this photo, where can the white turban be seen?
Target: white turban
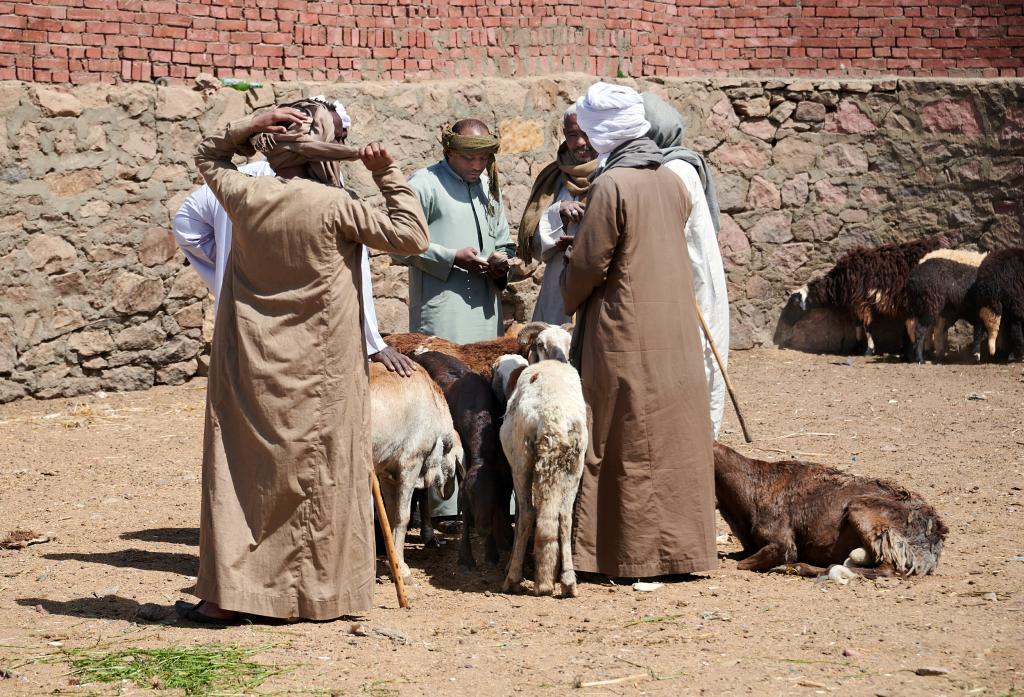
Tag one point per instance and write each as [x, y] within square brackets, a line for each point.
[336, 106]
[611, 115]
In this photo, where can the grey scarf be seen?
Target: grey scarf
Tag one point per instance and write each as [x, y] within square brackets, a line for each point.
[640, 152]
[667, 128]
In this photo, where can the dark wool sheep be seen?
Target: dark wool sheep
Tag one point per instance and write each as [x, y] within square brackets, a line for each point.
[868, 283]
[486, 489]
[998, 297]
[802, 517]
[936, 296]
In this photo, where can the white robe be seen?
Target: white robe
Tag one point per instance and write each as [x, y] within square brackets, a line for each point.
[549, 307]
[203, 232]
[708, 284]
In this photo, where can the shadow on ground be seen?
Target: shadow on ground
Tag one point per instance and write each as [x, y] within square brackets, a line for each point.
[173, 562]
[178, 536]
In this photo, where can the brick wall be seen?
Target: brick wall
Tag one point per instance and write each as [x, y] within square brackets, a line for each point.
[81, 41]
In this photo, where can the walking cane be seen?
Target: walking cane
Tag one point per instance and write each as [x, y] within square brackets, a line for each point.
[389, 542]
[725, 375]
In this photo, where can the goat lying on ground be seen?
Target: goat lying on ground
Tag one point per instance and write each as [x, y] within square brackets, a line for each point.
[936, 296]
[545, 439]
[478, 356]
[414, 444]
[998, 297]
[867, 283]
[486, 488]
[804, 517]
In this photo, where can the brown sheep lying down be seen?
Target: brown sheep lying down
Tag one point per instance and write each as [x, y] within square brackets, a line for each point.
[801, 517]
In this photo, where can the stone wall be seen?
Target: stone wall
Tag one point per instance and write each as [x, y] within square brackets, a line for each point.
[93, 294]
[80, 41]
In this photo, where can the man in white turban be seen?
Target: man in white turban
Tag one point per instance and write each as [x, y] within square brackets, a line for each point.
[646, 504]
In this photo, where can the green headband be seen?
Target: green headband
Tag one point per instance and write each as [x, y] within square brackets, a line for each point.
[476, 145]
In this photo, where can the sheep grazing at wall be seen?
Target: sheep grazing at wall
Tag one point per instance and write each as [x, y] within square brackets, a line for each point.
[801, 517]
[936, 296]
[478, 356]
[998, 297]
[486, 488]
[868, 283]
[414, 444]
[545, 440]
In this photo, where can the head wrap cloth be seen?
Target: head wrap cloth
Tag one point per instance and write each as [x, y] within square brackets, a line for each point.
[310, 144]
[611, 115]
[476, 145]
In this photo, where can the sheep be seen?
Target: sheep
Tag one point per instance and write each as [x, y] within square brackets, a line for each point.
[505, 372]
[478, 356]
[486, 488]
[414, 444]
[800, 517]
[545, 440]
[936, 293]
[552, 343]
[867, 283]
[998, 297]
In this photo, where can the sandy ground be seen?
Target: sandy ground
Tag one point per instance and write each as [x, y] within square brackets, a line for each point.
[115, 480]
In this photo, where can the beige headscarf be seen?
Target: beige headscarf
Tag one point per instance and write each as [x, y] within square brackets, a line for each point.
[476, 145]
[563, 171]
[310, 143]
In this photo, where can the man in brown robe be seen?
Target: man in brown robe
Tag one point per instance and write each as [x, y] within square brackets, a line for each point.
[286, 528]
[646, 503]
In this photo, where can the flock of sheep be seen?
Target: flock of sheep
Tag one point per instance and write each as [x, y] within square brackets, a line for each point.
[506, 414]
[928, 285]
[509, 414]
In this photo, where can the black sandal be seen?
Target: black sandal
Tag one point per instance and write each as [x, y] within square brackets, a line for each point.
[190, 611]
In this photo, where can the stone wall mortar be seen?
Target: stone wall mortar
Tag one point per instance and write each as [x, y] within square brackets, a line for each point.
[93, 293]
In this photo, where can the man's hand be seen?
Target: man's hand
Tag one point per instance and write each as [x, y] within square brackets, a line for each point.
[468, 258]
[277, 120]
[563, 242]
[571, 212]
[375, 157]
[394, 361]
[497, 264]
[567, 254]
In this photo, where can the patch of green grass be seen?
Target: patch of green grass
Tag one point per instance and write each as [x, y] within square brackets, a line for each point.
[197, 670]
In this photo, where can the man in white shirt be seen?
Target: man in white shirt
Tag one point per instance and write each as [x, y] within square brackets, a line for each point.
[202, 230]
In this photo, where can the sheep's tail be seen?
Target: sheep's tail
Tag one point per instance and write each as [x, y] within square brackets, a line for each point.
[913, 545]
[555, 472]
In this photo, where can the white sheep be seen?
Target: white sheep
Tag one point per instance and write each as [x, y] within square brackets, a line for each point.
[544, 436]
[551, 344]
[414, 444]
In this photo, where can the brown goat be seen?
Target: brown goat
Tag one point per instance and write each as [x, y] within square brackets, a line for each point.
[478, 356]
[801, 517]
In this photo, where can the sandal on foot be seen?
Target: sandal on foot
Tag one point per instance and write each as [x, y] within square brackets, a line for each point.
[190, 611]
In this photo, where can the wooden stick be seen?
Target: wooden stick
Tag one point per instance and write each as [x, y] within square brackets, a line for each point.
[721, 366]
[614, 681]
[389, 542]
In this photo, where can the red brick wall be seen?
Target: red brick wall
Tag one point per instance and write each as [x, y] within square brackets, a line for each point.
[81, 41]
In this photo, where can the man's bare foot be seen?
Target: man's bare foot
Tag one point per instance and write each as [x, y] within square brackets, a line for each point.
[215, 611]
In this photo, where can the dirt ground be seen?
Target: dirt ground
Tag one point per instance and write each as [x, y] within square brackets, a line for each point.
[115, 480]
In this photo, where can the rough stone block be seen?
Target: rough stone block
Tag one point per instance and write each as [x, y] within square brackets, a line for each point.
[763, 194]
[753, 108]
[54, 103]
[123, 379]
[177, 103]
[176, 373]
[190, 316]
[132, 293]
[795, 190]
[147, 335]
[949, 116]
[733, 242]
[50, 253]
[521, 135]
[844, 158]
[74, 183]
[10, 391]
[157, 246]
[848, 118]
[773, 228]
[811, 112]
[90, 343]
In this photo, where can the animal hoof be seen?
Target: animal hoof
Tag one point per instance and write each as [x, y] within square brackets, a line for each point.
[840, 574]
[544, 589]
[432, 543]
[570, 590]
[858, 557]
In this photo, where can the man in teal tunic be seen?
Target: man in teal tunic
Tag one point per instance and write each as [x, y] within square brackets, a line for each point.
[455, 286]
